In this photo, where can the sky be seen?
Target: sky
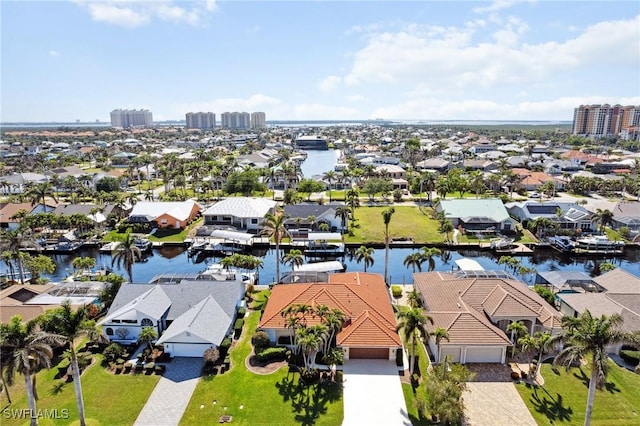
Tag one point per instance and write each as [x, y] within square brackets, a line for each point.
[317, 60]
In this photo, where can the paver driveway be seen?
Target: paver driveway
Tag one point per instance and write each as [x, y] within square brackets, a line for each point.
[373, 394]
[495, 404]
[171, 395]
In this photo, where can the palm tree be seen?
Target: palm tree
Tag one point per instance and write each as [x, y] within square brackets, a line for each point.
[15, 240]
[428, 254]
[604, 217]
[414, 260]
[126, 253]
[310, 340]
[413, 299]
[517, 330]
[330, 177]
[294, 258]
[365, 254]
[538, 343]
[386, 218]
[412, 323]
[343, 213]
[148, 335]
[274, 226]
[591, 336]
[30, 350]
[73, 325]
[39, 191]
[439, 334]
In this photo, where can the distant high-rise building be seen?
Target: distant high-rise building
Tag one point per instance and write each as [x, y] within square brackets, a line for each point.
[258, 120]
[201, 120]
[127, 118]
[605, 120]
[236, 120]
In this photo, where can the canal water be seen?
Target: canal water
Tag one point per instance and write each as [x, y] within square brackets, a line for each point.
[176, 260]
[319, 162]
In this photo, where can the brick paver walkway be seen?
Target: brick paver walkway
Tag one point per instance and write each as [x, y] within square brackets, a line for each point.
[495, 404]
[171, 395]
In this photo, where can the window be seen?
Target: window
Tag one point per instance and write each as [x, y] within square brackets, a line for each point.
[130, 321]
[163, 221]
[254, 221]
[109, 331]
[146, 322]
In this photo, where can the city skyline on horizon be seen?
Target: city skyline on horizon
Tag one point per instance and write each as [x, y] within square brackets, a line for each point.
[430, 61]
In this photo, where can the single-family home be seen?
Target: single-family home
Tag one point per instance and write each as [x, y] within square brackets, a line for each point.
[475, 308]
[190, 316]
[15, 183]
[531, 180]
[436, 164]
[96, 214]
[164, 214]
[370, 329]
[240, 212]
[626, 214]
[484, 215]
[302, 218]
[10, 212]
[567, 215]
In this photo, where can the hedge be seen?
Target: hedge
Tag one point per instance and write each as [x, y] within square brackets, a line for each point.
[241, 312]
[238, 325]
[272, 354]
[396, 291]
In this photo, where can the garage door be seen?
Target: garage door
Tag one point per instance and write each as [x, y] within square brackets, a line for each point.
[452, 354]
[368, 353]
[485, 354]
[188, 349]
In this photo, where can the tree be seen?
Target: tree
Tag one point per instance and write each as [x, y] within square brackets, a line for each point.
[330, 177]
[294, 258]
[37, 265]
[428, 254]
[274, 226]
[365, 254]
[14, 240]
[445, 386]
[414, 260]
[148, 335]
[517, 330]
[73, 324]
[343, 213]
[387, 214]
[439, 334]
[413, 299]
[309, 186]
[412, 323]
[30, 349]
[83, 263]
[537, 344]
[604, 217]
[589, 336]
[126, 253]
[211, 355]
[111, 288]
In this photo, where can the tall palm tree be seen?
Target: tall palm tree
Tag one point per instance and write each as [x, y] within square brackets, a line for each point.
[413, 299]
[15, 240]
[126, 253]
[73, 324]
[365, 254]
[517, 330]
[439, 334]
[589, 336]
[604, 217]
[539, 343]
[148, 335]
[330, 177]
[274, 226]
[428, 254]
[31, 349]
[294, 258]
[414, 260]
[39, 191]
[343, 213]
[386, 218]
[412, 323]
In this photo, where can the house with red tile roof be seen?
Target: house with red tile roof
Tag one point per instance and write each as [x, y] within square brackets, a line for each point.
[370, 330]
[476, 309]
[531, 180]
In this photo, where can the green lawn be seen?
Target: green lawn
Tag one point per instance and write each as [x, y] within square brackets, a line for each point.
[563, 398]
[109, 399]
[266, 399]
[407, 221]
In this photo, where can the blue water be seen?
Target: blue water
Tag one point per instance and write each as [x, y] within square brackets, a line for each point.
[175, 259]
[319, 162]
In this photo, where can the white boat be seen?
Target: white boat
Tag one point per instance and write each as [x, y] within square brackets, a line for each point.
[143, 244]
[598, 243]
[109, 247]
[501, 243]
[217, 272]
[324, 244]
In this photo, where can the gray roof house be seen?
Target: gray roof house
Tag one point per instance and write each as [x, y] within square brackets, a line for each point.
[298, 215]
[477, 215]
[189, 315]
[568, 215]
[241, 212]
[626, 213]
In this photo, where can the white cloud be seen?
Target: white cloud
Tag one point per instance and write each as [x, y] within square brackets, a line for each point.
[133, 13]
[330, 83]
[355, 98]
[449, 58]
[495, 6]
[54, 53]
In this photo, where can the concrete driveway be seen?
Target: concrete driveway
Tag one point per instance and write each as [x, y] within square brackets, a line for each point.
[496, 404]
[373, 394]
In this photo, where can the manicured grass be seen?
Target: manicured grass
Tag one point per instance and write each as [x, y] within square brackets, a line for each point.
[168, 235]
[109, 399]
[563, 398]
[408, 221]
[266, 399]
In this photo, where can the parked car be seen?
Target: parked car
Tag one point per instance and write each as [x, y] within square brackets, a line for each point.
[534, 195]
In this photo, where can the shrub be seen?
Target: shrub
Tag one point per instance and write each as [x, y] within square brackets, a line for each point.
[238, 325]
[113, 352]
[241, 312]
[515, 375]
[278, 353]
[396, 291]
[224, 347]
[260, 340]
[630, 356]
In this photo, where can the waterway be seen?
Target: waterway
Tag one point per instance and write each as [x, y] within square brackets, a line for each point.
[319, 162]
[176, 259]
